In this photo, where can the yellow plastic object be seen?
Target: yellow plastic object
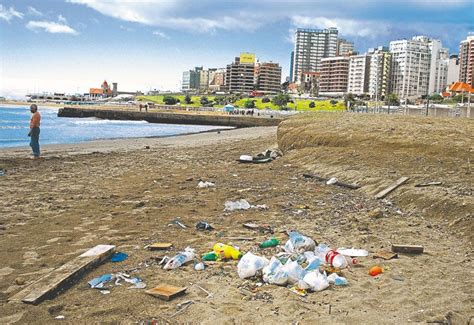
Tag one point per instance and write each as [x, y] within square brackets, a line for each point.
[227, 251]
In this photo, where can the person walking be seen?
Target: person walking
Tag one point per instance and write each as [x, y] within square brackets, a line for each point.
[35, 131]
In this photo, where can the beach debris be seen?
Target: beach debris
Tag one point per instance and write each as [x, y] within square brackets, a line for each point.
[375, 270]
[211, 256]
[250, 264]
[261, 228]
[269, 243]
[410, 249]
[209, 294]
[159, 246]
[100, 281]
[206, 184]
[385, 255]
[180, 259]
[227, 251]
[119, 257]
[385, 192]
[137, 282]
[182, 307]
[60, 278]
[428, 184]
[199, 266]
[203, 225]
[298, 291]
[353, 252]
[59, 317]
[241, 204]
[166, 291]
[263, 157]
[178, 223]
[332, 181]
[316, 281]
[299, 243]
[241, 238]
[3, 172]
[335, 279]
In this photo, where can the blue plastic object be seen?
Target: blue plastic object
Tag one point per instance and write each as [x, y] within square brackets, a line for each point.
[119, 257]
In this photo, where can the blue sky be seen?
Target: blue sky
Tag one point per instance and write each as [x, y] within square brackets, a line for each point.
[71, 45]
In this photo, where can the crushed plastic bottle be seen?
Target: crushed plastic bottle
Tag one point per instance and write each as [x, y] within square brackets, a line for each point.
[332, 257]
[270, 243]
[227, 251]
[211, 256]
[250, 264]
[180, 259]
[237, 205]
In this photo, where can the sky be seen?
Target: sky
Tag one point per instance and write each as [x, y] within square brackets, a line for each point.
[72, 45]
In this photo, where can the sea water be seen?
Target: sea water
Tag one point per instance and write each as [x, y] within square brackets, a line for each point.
[14, 128]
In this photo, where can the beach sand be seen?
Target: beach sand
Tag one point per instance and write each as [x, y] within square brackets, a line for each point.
[119, 192]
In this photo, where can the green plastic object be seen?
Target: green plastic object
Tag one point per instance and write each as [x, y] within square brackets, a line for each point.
[270, 243]
[211, 256]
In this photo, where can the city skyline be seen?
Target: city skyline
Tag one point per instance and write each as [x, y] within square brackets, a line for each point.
[70, 46]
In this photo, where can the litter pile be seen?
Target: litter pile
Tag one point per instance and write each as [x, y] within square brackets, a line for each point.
[263, 157]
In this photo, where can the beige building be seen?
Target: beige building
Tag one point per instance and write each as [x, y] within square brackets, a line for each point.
[239, 77]
[466, 61]
[380, 72]
[334, 76]
[216, 79]
[268, 77]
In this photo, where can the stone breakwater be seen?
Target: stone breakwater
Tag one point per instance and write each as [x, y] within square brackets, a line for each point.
[171, 118]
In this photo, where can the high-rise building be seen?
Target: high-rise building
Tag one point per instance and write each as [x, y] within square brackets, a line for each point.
[438, 66]
[410, 67]
[191, 80]
[334, 74]
[344, 47]
[466, 60]
[203, 80]
[358, 77]
[311, 46]
[379, 72]
[453, 69]
[292, 58]
[239, 77]
[216, 79]
[268, 77]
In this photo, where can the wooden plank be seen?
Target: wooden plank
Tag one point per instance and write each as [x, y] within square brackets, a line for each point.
[166, 291]
[159, 246]
[392, 187]
[62, 278]
[429, 184]
[410, 249]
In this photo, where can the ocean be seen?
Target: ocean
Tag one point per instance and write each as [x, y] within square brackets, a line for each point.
[14, 127]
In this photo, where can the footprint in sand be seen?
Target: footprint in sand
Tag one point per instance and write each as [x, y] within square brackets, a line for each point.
[30, 258]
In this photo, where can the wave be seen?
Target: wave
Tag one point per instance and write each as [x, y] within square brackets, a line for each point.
[13, 127]
[99, 121]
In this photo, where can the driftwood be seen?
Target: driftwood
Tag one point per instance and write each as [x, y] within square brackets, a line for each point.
[428, 184]
[392, 187]
[322, 179]
[410, 249]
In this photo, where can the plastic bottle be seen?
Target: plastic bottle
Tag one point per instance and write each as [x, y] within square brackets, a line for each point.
[180, 259]
[227, 251]
[335, 259]
[270, 243]
[211, 256]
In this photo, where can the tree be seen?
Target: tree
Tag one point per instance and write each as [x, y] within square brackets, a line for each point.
[333, 102]
[265, 100]
[188, 100]
[312, 105]
[392, 99]
[169, 100]
[249, 103]
[436, 98]
[284, 86]
[349, 100]
[281, 100]
[204, 101]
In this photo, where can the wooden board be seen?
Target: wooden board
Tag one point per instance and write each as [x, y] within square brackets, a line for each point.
[159, 246]
[389, 189]
[166, 291]
[61, 278]
[411, 249]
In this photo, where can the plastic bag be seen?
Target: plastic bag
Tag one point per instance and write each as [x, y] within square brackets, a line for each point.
[237, 205]
[250, 264]
[333, 278]
[299, 243]
[180, 259]
[353, 252]
[316, 281]
[294, 270]
[274, 273]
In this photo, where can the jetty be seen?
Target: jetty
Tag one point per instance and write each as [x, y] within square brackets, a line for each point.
[171, 118]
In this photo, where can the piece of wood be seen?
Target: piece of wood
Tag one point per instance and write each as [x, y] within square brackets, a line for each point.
[241, 238]
[252, 226]
[159, 246]
[428, 184]
[166, 291]
[410, 249]
[385, 255]
[338, 183]
[64, 276]
[392, 187]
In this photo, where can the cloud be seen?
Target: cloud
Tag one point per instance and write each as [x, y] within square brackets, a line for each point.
[128, 29]
[62, 19]
[32, 11]
[9, 14]
[50, 27]
[160, 34]
[346, 27]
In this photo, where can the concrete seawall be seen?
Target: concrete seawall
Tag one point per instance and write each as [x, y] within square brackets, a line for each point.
[171, 118]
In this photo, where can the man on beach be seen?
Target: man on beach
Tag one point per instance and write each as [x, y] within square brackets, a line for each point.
[35, 131]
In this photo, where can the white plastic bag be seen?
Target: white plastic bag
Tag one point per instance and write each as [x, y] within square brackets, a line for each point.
[333, 278]
[180, 259]
[274, 273]
[206, 184]
[294, 270]
[316, 281]
[237, 205]
[299, 243]
[250, 264]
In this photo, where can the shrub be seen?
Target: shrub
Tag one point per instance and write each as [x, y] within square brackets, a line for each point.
[312, 105]
[188, 100]
[333, 102]
[169, 100]
[249, 103]
[204, 101]
[265, 100]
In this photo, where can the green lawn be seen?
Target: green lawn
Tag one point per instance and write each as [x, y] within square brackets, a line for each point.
[301, 104]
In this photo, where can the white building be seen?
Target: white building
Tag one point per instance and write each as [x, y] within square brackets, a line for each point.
[358, 79]
[438, 66]
[380, 72]
[453, 69]
[311, 46]
[410, 67]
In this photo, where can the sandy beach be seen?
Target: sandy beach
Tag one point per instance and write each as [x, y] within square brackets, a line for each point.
[126, 193]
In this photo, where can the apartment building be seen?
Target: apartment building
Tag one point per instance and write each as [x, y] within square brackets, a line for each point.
[239, 77]
[438, 66]
[268, 77]
[379, 72]
[334, 76]
[466, 60]
[344, 47]
[359, 72]
[312, 45]
[191, 80]
[453, 69]
[216, 79]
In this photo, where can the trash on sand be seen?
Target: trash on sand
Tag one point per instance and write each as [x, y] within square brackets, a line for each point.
[332, 257]
[299, 243]
[119, 257]
[260, 207]
[166, 291]
[274, 273]
[60, 317]
[99, 282]
[137, 282]
[227, 251]
[104, 292]
[250, 264]
[270, 243]
[261, 228]
[385, 255]
[199, 266]
[203, 225]
[410, 249]
[333, 278]
[298, 291]
[211, 256]
[237, 205]
[316, 280]
[178, 223]
[375, 270]
[266, 156]
[332, 181]
[392, 187]
[3, 172]
[180, 259]
[206, 184]
[182, 307]
[159, 246]
[352, 252]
